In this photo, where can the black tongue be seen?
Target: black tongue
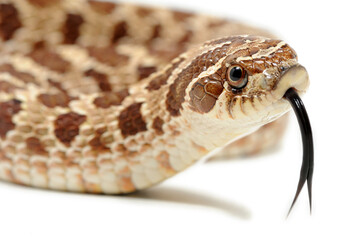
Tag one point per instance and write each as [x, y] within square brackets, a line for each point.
[307, 166]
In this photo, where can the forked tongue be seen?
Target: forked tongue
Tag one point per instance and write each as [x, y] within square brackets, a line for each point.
[307, 166]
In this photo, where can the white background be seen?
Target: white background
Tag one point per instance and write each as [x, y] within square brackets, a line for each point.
[237, 199]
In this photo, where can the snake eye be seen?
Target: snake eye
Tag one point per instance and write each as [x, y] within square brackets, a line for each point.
[237, 77]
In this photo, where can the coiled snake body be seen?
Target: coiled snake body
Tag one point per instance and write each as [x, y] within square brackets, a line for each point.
[113, 98]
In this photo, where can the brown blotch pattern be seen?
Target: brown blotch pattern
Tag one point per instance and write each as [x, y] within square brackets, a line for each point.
[156, 32]
[7, 87]
[71, 29]
[7, 111]
[182, 16]
[108, 55]
[23, 76]
[43, 3]
[186, 38]
[96, 143]
[67, 126]
[131, 121]
[57, 85]
[100, 78]
[176, 94]
[34, 146]
[145, 71]
[204, 93]
[9, 21]
[161, 79]
[50, 60]
[55, 100]
[102, 7]
[143, 11]
[166, 54]
[157, 125]
[111, 99]
[39, 44]
[120, 31]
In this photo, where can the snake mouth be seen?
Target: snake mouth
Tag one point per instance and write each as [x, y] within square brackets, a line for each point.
[295, 77]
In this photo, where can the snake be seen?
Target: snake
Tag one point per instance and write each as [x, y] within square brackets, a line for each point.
[109, 97]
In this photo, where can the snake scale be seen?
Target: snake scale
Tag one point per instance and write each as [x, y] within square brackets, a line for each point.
[111, 98]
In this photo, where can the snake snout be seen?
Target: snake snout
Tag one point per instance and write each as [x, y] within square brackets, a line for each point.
[295, 77]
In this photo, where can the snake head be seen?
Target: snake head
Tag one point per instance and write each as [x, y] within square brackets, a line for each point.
[246, 79]
[245, 83]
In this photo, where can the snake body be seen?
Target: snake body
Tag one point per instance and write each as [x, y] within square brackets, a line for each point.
[112, 98]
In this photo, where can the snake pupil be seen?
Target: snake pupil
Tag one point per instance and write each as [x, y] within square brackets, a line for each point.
[237, 78]
[236, 73]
